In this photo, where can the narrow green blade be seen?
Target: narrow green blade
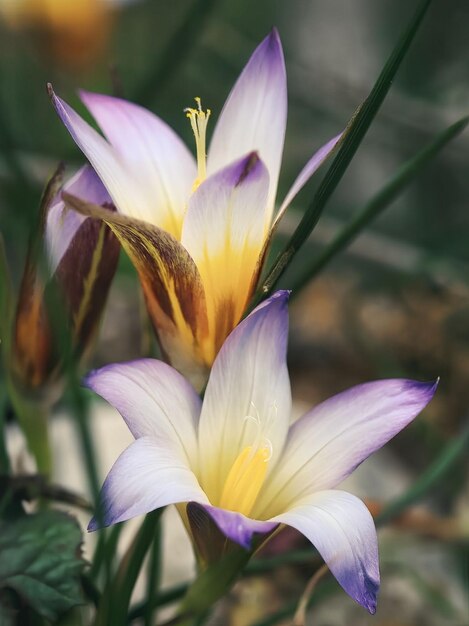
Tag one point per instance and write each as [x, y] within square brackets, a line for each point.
[403, 177]
[349, 144]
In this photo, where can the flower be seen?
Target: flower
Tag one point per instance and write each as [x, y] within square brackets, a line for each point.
[82, 255]
[196, 232]
[73, 33]
[237, 459]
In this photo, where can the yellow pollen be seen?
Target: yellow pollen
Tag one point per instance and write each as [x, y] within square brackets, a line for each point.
[199, 120]
[245, 480]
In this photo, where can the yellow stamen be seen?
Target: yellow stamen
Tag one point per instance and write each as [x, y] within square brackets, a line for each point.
[245, 480]
[199, 120]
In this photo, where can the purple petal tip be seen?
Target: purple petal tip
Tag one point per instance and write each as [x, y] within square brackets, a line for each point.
[273, 39]
[426, 389]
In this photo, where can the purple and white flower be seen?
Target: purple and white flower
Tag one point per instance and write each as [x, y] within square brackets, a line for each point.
[197, 231]
[236, 458]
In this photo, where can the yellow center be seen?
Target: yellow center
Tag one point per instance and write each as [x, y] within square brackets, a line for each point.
[245, 480]
[199, 120]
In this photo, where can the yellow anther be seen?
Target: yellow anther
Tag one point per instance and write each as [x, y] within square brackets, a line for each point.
[245, 480]
[199, 119]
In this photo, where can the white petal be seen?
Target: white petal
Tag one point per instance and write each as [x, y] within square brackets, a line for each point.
[248, 394]
[149, 474]
[154, 400]
[153, 156]
[341, 528]
[255, 114]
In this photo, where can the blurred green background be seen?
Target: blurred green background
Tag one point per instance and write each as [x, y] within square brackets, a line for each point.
[395, 304]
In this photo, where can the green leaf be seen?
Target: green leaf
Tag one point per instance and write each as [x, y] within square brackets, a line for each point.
[404, 175]
[351, 140]
[40, 560]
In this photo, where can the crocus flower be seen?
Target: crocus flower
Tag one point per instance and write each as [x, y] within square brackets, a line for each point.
[237, 458]
[197, 231]
[82, 256]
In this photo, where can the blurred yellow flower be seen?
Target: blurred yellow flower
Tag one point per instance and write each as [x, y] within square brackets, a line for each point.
[74, 31]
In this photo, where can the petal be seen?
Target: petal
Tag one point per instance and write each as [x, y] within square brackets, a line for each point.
[130, 184]
[172, 287]
[341, 528]
[154, 400]
[153, 156]
[125, 193]
[84, 275]
[331, 440]
[236, 527]
[248, 394]
[308, 170]
[149, 474]
[61, 224]
[255, 114]
[224, 231]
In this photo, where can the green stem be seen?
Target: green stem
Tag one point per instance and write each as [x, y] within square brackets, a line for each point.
[105, 551]
[116, 599]
[154, 577]
[33, 420]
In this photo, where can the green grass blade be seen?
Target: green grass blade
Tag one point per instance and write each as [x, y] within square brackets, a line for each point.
[114, 606]
[153, 577]
[349, 144]
[403, 177]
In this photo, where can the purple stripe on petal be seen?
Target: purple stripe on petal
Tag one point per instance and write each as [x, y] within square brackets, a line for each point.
[236, 527]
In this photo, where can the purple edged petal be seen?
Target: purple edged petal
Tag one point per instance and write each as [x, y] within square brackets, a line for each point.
[331, 440]
[149, 474]
[341, 528]
[154, 400]
[248, 397]
[236, 527]
[62, 224]
[153, 156]
[255, 114]
[125, 193]
[224, 231]
[308, 170]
